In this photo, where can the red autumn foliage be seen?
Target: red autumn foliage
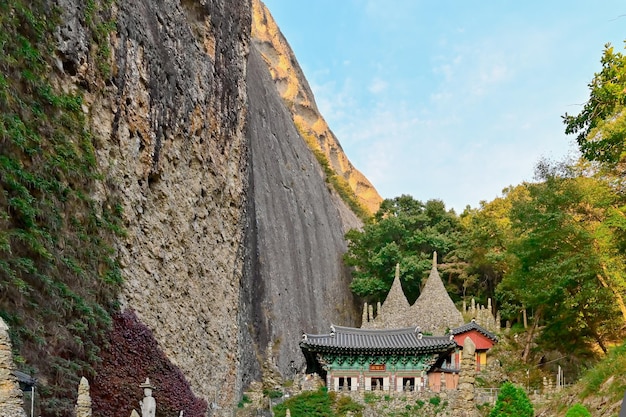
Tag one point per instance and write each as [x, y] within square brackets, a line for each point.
[132, 355]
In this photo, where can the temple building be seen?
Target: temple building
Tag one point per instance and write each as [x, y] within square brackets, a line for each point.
[402, 348]
[482, 338]
[361, 359]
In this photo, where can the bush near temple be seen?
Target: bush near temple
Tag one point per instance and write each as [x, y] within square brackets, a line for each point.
[512, 402]
[578, 410]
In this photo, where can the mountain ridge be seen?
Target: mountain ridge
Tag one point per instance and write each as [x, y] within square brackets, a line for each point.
[294, 89]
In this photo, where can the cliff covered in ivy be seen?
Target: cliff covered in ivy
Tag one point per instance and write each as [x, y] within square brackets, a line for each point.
[154, 187]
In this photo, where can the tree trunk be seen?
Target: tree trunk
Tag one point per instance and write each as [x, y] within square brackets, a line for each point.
[618, 297]
[531, 333]
[594, 332]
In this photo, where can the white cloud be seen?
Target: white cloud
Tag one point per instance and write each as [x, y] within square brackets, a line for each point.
[334, 102]
[377, 86]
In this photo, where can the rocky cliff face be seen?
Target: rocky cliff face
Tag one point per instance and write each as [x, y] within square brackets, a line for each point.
[170, 138]
[294, 277]
[298, 97]
[233, 239]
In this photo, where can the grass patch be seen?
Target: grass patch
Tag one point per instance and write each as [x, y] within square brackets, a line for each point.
[272, 393]
[594, 378]
[370, 397]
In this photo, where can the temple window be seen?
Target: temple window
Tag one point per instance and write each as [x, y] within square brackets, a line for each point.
[345, 383]
[377, 384]
[409, 384]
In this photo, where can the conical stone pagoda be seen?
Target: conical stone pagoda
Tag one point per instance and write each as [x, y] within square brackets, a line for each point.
[393, 313]
[434, 312]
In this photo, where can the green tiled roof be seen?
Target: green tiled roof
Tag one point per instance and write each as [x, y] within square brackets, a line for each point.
[408, 340]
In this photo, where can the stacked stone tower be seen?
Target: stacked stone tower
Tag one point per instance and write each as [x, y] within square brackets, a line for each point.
[393, 313]
[11, 400]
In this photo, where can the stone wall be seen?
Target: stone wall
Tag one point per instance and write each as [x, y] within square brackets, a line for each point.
[412, 403]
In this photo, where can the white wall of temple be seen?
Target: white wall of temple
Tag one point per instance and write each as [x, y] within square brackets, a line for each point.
[355, 384]
[337, 381]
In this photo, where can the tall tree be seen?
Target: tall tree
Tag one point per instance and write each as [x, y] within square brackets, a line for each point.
[561, 273]
[487, 234]
[404, 231]
[601, 125]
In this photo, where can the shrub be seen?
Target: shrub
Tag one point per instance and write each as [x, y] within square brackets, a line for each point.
[435, 401]
[370, 397]
[272, 393]
[309, 404]
[244, 400]
[512, 402]
[578, 410]
[344, 404]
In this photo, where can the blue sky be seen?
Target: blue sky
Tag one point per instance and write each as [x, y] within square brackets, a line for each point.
[454, 100]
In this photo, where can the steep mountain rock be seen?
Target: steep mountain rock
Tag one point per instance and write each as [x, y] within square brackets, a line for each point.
[295, 91]
[233, 239]
[170, 138]
[294, 278]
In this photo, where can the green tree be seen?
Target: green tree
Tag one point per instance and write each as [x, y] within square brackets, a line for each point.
[405, 231]
[512, 402]
[563, 248]
[486, 235]
[601, 125]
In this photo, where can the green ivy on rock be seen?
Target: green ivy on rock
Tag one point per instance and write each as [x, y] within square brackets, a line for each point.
[58, 271]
